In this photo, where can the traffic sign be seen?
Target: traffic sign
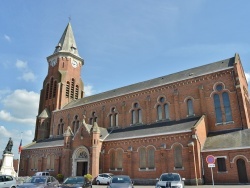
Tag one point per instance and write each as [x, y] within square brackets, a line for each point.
[210, 159]
[211, 165]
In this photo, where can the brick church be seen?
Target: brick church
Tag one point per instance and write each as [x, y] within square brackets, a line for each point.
[167, 124]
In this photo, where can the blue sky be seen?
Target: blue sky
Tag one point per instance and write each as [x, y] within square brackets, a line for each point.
[121, 42]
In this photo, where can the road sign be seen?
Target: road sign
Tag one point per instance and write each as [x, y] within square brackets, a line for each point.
[211, 165]
[210, 159]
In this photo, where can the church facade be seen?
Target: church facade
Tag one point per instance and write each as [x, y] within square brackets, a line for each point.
[168, 124]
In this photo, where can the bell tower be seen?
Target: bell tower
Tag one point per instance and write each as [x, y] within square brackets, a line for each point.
[62, 84]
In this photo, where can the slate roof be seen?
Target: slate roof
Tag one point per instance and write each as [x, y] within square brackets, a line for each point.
[234, 140]
[161, 128]
[103, 131]
[139, 131]
[171, 78]
[50, 142]
[67, 42]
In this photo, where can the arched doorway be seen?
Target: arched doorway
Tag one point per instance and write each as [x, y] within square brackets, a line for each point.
[80, 160]
[242, 172]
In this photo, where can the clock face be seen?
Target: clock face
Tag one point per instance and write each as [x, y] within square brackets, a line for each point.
[53, 62]
[74, 63]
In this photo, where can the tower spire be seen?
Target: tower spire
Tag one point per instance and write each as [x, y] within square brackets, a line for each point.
[67, 42]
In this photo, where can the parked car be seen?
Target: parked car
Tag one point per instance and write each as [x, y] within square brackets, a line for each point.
[76, 182]
[40, 181]
[170, 180]
[121, 181]
[7, 181]
[103, 178]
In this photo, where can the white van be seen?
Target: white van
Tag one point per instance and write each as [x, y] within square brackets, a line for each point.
[41, 174]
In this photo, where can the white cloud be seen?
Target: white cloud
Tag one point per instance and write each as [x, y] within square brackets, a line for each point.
[247, 77]
[88, 89]
[7, 38]
[20, 106]
[6, 116]
[27, 74]
[4, 132]
[21, 64]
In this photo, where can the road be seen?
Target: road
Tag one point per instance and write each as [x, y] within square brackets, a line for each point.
[186, 186]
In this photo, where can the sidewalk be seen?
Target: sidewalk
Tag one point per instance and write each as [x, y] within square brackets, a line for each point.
[189, 186]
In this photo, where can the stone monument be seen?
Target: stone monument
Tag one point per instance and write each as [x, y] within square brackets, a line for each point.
[7, 162]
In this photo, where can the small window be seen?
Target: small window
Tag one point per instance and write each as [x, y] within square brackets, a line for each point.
[136, 105]
[190, 107]
[219, 87]
[162, 99]
[221, 162]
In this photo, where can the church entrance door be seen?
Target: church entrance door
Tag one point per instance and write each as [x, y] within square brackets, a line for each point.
[82, 168]
[242, 173]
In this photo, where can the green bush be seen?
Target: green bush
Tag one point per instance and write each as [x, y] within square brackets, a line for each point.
[59, 177]
[88, 177]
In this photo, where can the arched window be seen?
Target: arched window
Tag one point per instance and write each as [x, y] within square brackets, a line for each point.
[166, 111]
[75, 124]
[116, 119]
[34, 162]
[227, 107]
[54, 90]
[159, 112]
[222, 105]
[112, 160]
[50, 162]
[151, 158]
[51, 87]
[190, 107]
[113, 117]
[136, 114]
[217, 107]
[60, 127]
[133, 117]
[162, 109]
[119, 159]
[178, 156]
[47, 92]
[147, 158]
[142, 153]
[93, 118]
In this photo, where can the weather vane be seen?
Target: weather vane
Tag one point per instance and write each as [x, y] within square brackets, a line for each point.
[69, 18]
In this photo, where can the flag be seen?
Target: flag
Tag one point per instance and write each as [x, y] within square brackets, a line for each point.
[20, 147]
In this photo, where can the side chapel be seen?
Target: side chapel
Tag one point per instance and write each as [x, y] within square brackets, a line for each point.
[167, 124]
